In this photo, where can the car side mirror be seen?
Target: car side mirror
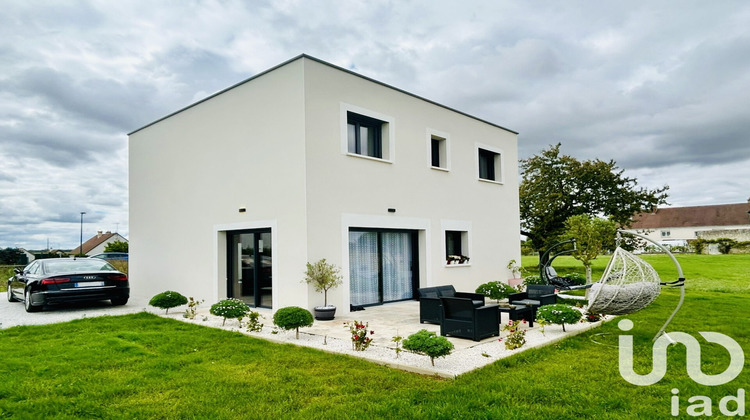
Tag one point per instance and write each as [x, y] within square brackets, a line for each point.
[18, 271]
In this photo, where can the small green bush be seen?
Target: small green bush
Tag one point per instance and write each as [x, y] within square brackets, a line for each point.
[230, 308]
[292, 318]
[168, 299]
[253, 322]
[428, 343]
[558, 314]
[496, 290]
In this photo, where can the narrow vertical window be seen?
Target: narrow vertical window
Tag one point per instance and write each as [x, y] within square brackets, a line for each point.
[438, 152]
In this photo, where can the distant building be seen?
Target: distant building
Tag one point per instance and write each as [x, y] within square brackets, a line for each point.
[97, 243]
[679, 225]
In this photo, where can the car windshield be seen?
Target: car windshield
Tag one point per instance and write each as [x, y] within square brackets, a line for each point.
[72, 266]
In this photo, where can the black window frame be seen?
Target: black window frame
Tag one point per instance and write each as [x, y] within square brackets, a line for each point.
[453, 243]
[375, 150]
[487, 162]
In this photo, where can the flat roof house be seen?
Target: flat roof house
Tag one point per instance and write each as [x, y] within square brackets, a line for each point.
[233, 195]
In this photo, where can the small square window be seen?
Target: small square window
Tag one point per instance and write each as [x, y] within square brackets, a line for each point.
[489, 165]
[666, 233]
[364, 135]
[456, 247]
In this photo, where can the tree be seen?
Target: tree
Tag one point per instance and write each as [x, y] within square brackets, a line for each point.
[323, 276]
[292, 318]
[116, 246]
[13, 256]
[555, 187]
[593, 235]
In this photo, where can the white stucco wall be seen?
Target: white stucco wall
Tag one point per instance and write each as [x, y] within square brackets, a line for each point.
[273, 145]
[190, 174]
[345, 191]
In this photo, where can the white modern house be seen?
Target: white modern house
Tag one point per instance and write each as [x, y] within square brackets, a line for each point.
[233, 195]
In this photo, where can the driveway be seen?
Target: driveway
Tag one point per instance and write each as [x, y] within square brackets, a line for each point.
[13, 314]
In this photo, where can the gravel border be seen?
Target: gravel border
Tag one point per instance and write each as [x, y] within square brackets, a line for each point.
[382, 352]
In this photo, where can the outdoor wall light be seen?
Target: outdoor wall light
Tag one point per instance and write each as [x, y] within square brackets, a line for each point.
[391, 210]
[242, 209]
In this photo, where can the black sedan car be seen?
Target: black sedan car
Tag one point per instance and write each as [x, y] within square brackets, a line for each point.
[58, 280]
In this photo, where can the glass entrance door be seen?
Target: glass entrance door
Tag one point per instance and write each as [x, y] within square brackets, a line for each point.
[249, 259]
[382, 266]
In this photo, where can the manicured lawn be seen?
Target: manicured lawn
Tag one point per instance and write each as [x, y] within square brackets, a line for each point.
[143, 366]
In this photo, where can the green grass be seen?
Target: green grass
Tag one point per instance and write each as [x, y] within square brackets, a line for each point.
[709, 273]
[143, 366]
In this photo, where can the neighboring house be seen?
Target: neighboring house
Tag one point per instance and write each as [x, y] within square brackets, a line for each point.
[29, 256]
[97, 243]
[679, 225]
[233, 195]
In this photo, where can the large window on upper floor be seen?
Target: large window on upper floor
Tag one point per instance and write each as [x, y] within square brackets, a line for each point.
[366, 134]
[489, 164]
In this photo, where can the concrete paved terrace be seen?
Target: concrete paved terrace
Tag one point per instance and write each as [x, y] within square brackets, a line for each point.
[387, 321]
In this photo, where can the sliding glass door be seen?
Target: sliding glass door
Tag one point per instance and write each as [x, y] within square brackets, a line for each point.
[382, 265]
[249, 267]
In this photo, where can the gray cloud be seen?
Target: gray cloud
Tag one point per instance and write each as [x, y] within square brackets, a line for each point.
[660, 90]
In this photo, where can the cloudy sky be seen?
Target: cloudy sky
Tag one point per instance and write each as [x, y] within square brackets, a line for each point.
[663, 88]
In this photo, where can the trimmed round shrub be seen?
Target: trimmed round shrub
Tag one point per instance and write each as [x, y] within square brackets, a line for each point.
[168, 299]
[496, 290]
[558, 314]
[230, 308]
[428, 343]
[292, 318]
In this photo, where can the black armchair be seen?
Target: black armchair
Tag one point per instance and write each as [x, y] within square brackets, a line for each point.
[536, 295]
[462, 319]
[430, 308]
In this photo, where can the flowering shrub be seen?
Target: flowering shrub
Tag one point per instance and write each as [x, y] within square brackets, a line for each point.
[428, 343]
[516, 337]
[496, 290]
[360, 340]
[557, 314]
[292, 318]
[168, 299]
[593, 317]
[230, 308]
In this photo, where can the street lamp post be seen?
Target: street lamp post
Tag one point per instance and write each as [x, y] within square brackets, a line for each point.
[80, 247]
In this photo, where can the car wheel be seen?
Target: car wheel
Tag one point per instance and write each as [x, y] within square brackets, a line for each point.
[119, 301]
[27, 302]
[10, 294]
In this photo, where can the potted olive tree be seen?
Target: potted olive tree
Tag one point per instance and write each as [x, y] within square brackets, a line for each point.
[323, 276]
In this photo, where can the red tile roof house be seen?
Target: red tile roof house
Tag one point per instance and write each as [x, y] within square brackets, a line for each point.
[678, 225]
[97, 243]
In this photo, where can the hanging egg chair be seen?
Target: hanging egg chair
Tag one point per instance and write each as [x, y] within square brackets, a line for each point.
[629, 284]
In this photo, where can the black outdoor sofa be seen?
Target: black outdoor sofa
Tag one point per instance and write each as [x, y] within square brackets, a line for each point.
[430, 306]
